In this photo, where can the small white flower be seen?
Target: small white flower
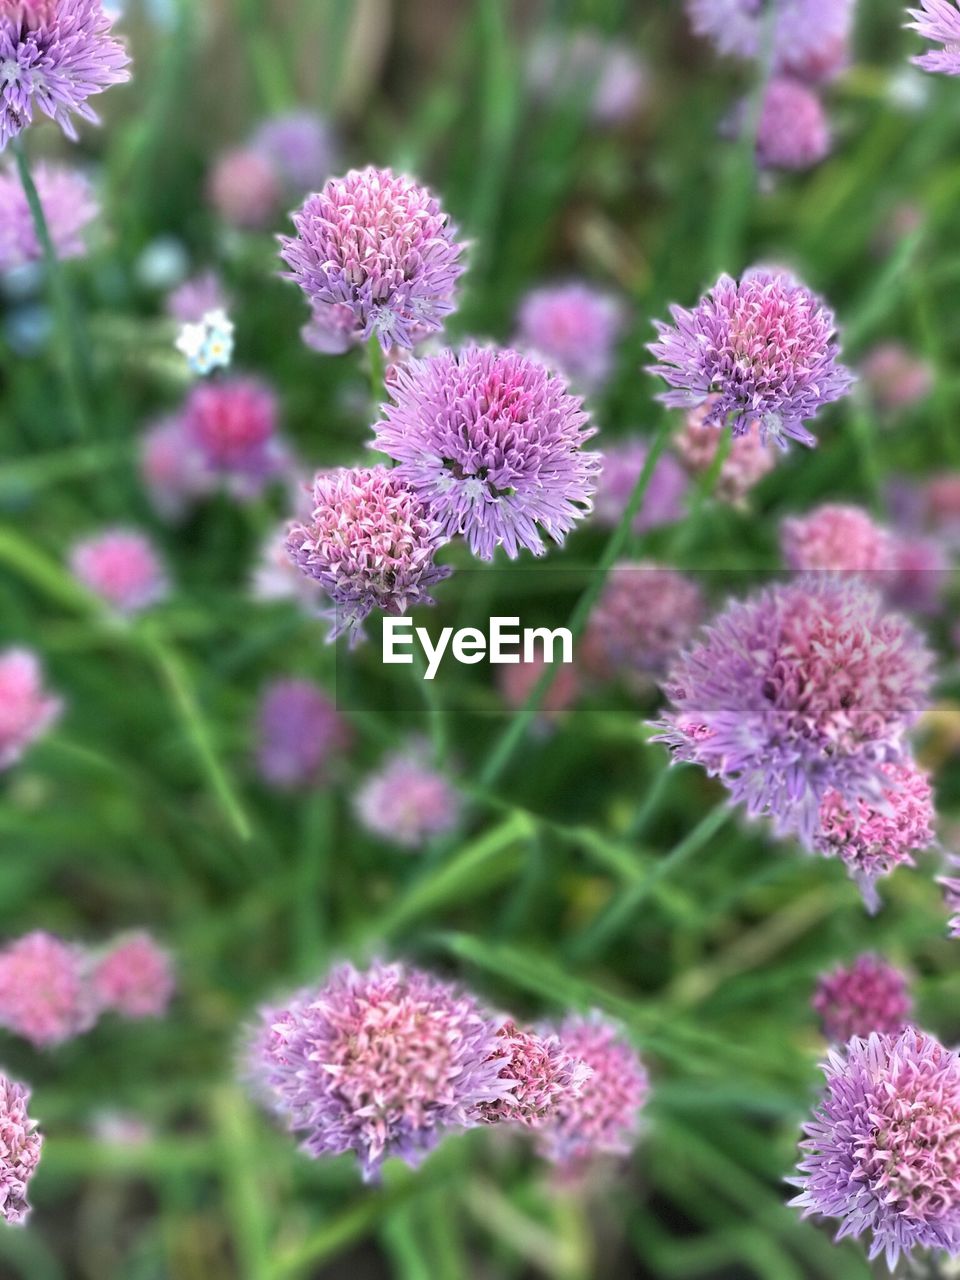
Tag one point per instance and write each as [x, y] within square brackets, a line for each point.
[207, 345]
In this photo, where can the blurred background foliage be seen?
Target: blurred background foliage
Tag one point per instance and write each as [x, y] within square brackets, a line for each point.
[590, 878]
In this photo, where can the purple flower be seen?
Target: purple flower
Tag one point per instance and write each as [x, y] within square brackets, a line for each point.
[299, 733]
[122, 568]
[836, 536]
[406, 802]
[765, 348]
[793, 131]
[492, 441]
[244, 188]
[134, 978]
[804, 687]
[951, 895]
[231, 423]
[44, 992]
[543, 1074]
[747, 462]
[301, 148]
[939, 21]
[68, 205]
[810, 37]
[877, 834]
[603, 1118]
[381, 1063]
[381, 247]
[622, 464]
[20, 1146]
[645, 616]
[370, 544]
[172, 468]
[26, 710]
[55, 55]
[191, 301]
[574, 326]
[882, 1151]
[870, 995]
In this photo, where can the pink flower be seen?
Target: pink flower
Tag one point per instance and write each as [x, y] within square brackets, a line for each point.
[837, 537]
[20, 1147]
[895, 378]
[122, 568]
[406, 802]
[645, 616]
[747, 462]
[244, 188]
[622, 463]
[44, 993]
[172, 468]
[191, 301]
[870, 995]
[574, 326]
[300, 735]
[793, 132]
[69, 207]
[26, 711]
[232, 424]
[135, 978]
[517, 681]
[543, 1075]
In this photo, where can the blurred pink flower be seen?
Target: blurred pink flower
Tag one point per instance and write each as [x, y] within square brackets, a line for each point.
[26, 710]
[406, 802]
[44, 990]
[122, 568]
[870, 995]
[134, 978]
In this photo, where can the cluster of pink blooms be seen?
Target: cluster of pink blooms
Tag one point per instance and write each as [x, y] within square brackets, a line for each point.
[406, 802]
[20, 1147]
[895, 377]
[387, 1061]
[747, 460]
[27, 710]
[871, 995]
[300, 735]
[122, 568]
[69, 207]
[621, 467]
[52, 991]
[576, 327]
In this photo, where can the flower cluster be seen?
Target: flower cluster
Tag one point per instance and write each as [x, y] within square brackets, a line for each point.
[793, 131]
[882, 1150]
[299, 735]
[574, 326]
[52, 991]
[122, 568]
[810, 38]
[207, 343]
[20, 1147]
[232, 426]
[870, 995]
[68, 204]
[492, 441]
[747, 460]
[26, 709]
[544, 1073]
[802, 689]
[406, 802]
[763, 348]
[622, 465]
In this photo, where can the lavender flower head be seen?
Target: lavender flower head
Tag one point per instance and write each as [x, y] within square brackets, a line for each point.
[231, 424]
[382, 1063]
[764, 347]
[574, 326]
[369, 543]
[644, 617]
[748, 459]
[938, 21]
[804, 687]
[189, 302]
[172, 468]
[837, 536]
[26, 710]
[299, 734]
[20, 1146]
[810, 37]
[379, 248]
[621, 467]
[135, 978]
[793, 131]
[55, 55]
[604, 1117]
[301, 148]
[870, 995]
[544, 1076]
[873, 836]
[882, 1150]
[69, 207]
[122, 568]
[406, 802]
[44, 993]
[244, 189]
[492, 441]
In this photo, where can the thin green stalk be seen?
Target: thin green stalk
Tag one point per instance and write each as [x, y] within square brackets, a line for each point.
[266, 61]
[498, 110]
[69, 346]
[704, 490]
[508, 743]
[377, 371]
[239, 1148]
[313, 867]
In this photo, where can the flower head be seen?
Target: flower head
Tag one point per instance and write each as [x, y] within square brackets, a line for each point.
[299, 733]
[875, 835]
[748, 459]
[492, 441]
[810, 37]
[764, 348]
[381, 247]
[895, 377]
[208, 343]
[191, 301]
[244, 189]
[134, 978]
[407, 802]
[172, 468]
[604, 1117]
[382, 1063]
[622, 464]
[20, 1146]
[939, 21]
[55, 55]
[44, 992]
[804, 687]
[643, 619]
[122, 568]
[26, 710]
[793, 131]
[542, 1073]
[69, 206]
[835, 536]
[232, 424]
[370, 544]
[301, 148]
[870, 995]
[573, 325]
[882, 1150]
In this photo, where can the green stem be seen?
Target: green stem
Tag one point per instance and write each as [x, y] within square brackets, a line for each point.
[377, 372]
[266, 62]
[69, 346]
[506, 746]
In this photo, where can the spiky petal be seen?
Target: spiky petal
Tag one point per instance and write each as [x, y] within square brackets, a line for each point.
[938, 21]
[20, 1147]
